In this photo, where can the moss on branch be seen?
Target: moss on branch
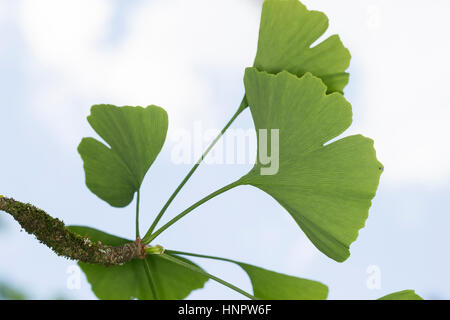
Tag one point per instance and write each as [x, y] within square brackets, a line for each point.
[53, 233]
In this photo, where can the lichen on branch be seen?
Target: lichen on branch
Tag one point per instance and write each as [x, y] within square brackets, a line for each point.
[53, 233]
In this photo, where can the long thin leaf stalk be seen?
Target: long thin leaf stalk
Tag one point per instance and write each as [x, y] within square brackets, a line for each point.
[206, 274]
[137, 213]
[242, 107]
[150, 237]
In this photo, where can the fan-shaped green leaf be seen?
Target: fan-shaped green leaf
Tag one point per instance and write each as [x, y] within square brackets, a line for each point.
[327, 189]
[129, 281]
[402, 295]
[270, 285]
[286, 34]
[135, 136]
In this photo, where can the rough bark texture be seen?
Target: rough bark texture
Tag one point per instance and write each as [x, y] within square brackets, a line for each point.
[53, 233]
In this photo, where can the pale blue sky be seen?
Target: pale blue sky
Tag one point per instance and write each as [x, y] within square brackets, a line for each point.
[57, 58]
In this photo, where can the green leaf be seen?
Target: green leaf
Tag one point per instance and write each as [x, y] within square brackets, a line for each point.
[270, 285]
[129, 281]
[210, 276]
[402, 295]
[286, 34]
[135, 136]
[8, 292]
[327, 189]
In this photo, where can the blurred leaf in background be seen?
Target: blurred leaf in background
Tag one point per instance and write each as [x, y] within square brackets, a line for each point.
[8, 292]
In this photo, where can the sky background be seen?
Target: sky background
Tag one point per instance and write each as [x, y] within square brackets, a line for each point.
[57, 58]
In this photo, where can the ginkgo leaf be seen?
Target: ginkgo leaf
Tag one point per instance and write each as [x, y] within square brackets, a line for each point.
[270, 285]
[129, 281]
[328, 188]
[402, 295]
[135, 136]
[286, 35]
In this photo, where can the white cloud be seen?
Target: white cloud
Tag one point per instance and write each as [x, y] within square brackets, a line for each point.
[302, 255]
[2, 10]
[399, 82]
[154, 63]
[64, 32]
[406, 97]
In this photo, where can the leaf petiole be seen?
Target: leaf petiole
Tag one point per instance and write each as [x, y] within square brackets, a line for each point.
[206, 274]
[200, 256]
[137, 213]
[242, 107]
[150, 237]
[150, 279]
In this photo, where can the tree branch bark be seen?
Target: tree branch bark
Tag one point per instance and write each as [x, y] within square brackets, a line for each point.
[53, 233]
